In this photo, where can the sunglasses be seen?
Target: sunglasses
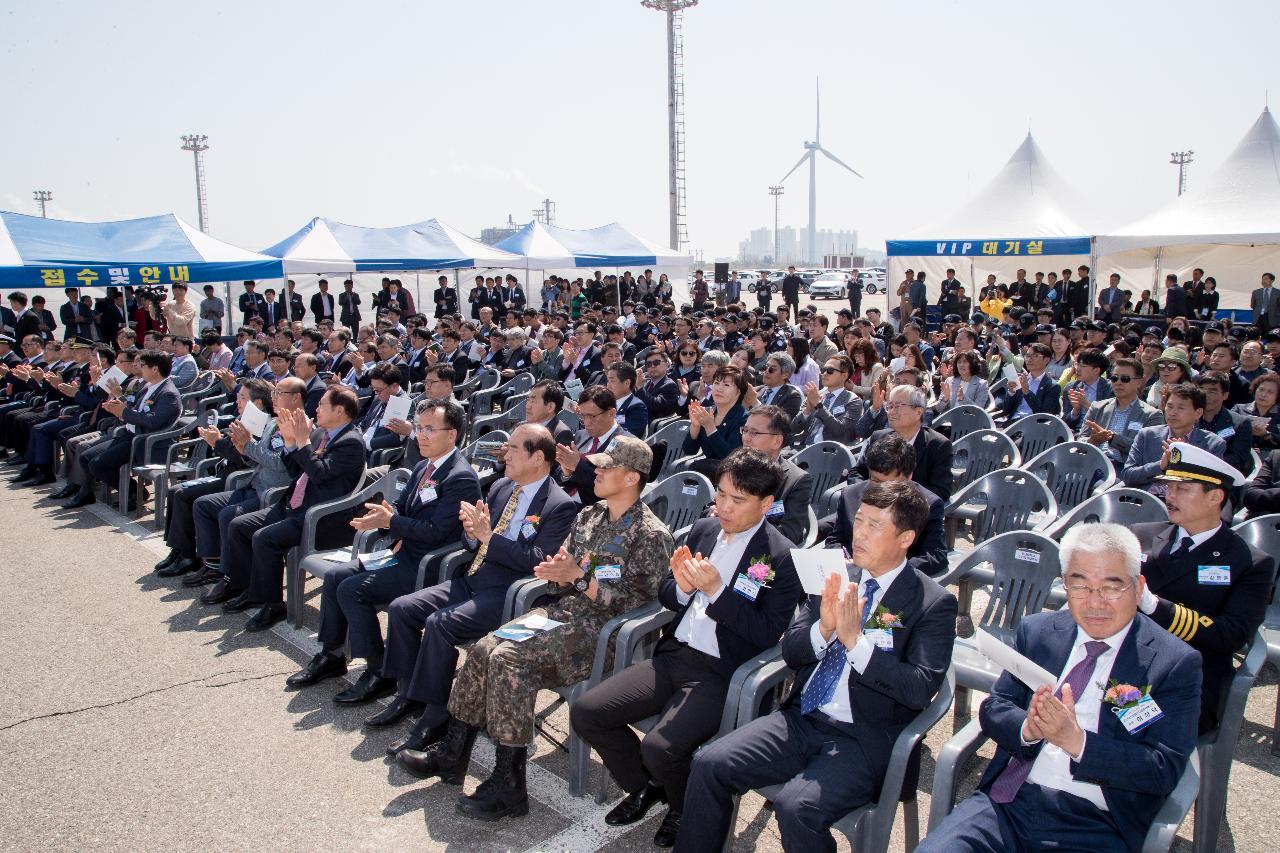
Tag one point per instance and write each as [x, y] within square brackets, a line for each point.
[773, 368]
[688, 352]
[654, 363]
[1122, 379]
[830, 370]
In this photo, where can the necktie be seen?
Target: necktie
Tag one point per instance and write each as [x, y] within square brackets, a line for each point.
[300, 488]
[1184, 545]
[426, 475]
[504, 521]
[822, 686]
[1006, 785]
[595, 446]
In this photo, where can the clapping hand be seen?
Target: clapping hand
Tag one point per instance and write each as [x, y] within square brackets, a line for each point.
[115, 407]
[1077, 398]
[696, 573]
[400, 426]
[567, 457]
[812, 396]
[683, 387]
[210, 435]
[701, 416]
[1098, 434]
[377, 517]
[240, 435]
[560, 567]
[475, 521]
[877, 396]
[678, 558]
[1054, 719]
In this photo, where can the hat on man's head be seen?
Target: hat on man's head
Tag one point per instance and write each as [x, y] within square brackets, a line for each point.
[625, 451]
[81, 342]
[1191, 464]
[6, 338]
[1152, 330]
[1215, 326]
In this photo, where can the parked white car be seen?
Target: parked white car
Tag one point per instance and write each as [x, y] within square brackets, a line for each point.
[831, 285]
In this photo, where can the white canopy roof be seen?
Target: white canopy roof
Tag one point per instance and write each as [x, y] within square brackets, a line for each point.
[1238, 204]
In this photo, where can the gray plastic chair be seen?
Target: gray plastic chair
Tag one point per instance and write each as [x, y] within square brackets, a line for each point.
[1020, 567]
[481, 452]
[481, 380]
[979, 453]
[963, 420]
[1126, 507]
[667, 444]
[1073, 472]
[1000, 502]
[965, 744]
[1035, 434]
[868, 827]
[828, 463]
[1263, 533]
[680, 500]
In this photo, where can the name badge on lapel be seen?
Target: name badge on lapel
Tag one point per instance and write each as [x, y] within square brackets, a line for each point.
[1214, 575]
[528, 530]
[881, 637]
[426, 494]
[775, 510]
[611, 572]
[746, 587]
[1141, 715]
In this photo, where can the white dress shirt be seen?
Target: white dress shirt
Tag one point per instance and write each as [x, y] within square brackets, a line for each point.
[1052, 767]
[696, 628]
[859, 656]
[1033, 386]
[527, 494]
[146, 395]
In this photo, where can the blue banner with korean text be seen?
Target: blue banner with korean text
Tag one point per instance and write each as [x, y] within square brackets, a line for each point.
[1025, 247]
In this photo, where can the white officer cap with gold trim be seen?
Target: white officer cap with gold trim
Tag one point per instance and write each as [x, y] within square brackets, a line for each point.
[1190, 464]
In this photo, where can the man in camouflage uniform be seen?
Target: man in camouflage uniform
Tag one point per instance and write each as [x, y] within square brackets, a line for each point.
[617, 553]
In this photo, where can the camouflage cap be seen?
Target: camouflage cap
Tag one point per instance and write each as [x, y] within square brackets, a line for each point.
[626, 451]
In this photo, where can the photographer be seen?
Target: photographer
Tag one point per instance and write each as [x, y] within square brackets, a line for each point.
[149, 315]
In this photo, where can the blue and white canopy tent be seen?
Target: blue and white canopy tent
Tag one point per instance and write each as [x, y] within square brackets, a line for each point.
[1019, 220]
[327, 246]
[548, 247]
[163, 250]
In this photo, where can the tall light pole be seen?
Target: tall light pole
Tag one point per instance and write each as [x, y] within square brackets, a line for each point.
[43, 197]
[1181, 159]
[776, 192]
[675, 113]
[197, 144]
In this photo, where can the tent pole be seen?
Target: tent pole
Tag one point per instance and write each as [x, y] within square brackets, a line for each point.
[226, 314]
[1093, 272]
[417, 286]
[1155, 280]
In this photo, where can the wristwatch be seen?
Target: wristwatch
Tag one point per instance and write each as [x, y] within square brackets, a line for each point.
[582, 583]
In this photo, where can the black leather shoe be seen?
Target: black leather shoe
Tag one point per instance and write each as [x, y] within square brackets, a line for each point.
[82, 500]
[202, 577]
[65, 492]
[422, 736]
[267, 615]
[31, 472]
[395, 712]
[504, 792]
[635, 806]
[447, 759]
[16, 461]
[168, 561]
[319, 668]
[368, 687]
[239, 603]
[221, 592]
[42, 476]
[666, 834]
[184, 566]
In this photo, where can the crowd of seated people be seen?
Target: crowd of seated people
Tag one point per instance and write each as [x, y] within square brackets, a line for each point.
[290, 414]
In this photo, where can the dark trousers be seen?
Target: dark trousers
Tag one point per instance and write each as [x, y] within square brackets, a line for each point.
[103, 461]
[1037, 819]
[257, 545]
[424, 630]
[684, 688]
[212, 514]
[8, 412]
[349, 606]
[825, 771]
[23, 423]
[180, 525]
[40, 445]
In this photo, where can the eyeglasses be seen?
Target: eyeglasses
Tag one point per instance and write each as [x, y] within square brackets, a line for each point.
[755, 432]
[1107, 592]
[688, 352]
[831, 370]
[1122, 379]
[588, 415]
[428, 430]
[897, 407]
[654, 363]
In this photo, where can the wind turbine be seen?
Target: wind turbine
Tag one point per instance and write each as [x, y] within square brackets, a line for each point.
[811, 149]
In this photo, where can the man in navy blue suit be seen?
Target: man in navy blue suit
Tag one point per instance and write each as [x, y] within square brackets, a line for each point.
[156, 408]
[1035, 392]
[869, 658]
[527, 518]
[733, 589]
[633, 414]
[1087, 765]
[424, 517]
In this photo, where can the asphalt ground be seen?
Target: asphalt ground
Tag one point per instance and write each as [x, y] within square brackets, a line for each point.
[134, 718]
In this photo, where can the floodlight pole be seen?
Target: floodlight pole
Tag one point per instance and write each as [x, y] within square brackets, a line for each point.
[675, 114]
[197, 144]
[1181, 159]
[776, 192]
[43, 197]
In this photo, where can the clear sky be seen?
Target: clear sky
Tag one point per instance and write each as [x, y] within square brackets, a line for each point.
[382, 113]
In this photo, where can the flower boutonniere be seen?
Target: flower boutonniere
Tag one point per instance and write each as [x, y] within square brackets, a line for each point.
[1125, 696]
[884, 619]
[760, 570]
[532, 519]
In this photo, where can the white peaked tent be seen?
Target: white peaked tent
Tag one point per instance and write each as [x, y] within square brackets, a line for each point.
[1228, 224]
[328, 246]
[1021, 219]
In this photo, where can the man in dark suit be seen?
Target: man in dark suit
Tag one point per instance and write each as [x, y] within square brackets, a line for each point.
[416, 361]
[26, 321]
[777, 390]
[111, 317]
[832, 413]
[274, 313]
[1085, 766]
[349, 306]
[598, 413]
[768, 429]
[1175, 298]
[322, 303]
[1204, 584]
[1111, 300]
[543, 407]
[477, 297]
[424, 517]
[446, 298]
[327, 463]
[791, 285]
[733, 589]
[251, 303]
[1265, 304]
[294, 299]
[933, 450]
[581, 355]
[1149, 454]
[890, 459]
[527, 518]
[631, 412]
[869, 659]
[1090, 386]
[1036, 392]
[659, 392]
[156, 408]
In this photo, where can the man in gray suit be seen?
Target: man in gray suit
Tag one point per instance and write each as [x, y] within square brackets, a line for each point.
[777, 390]
[832, 413]
[1265, 304]
[1149, 456]
[1111, 300]
[1111, 425]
